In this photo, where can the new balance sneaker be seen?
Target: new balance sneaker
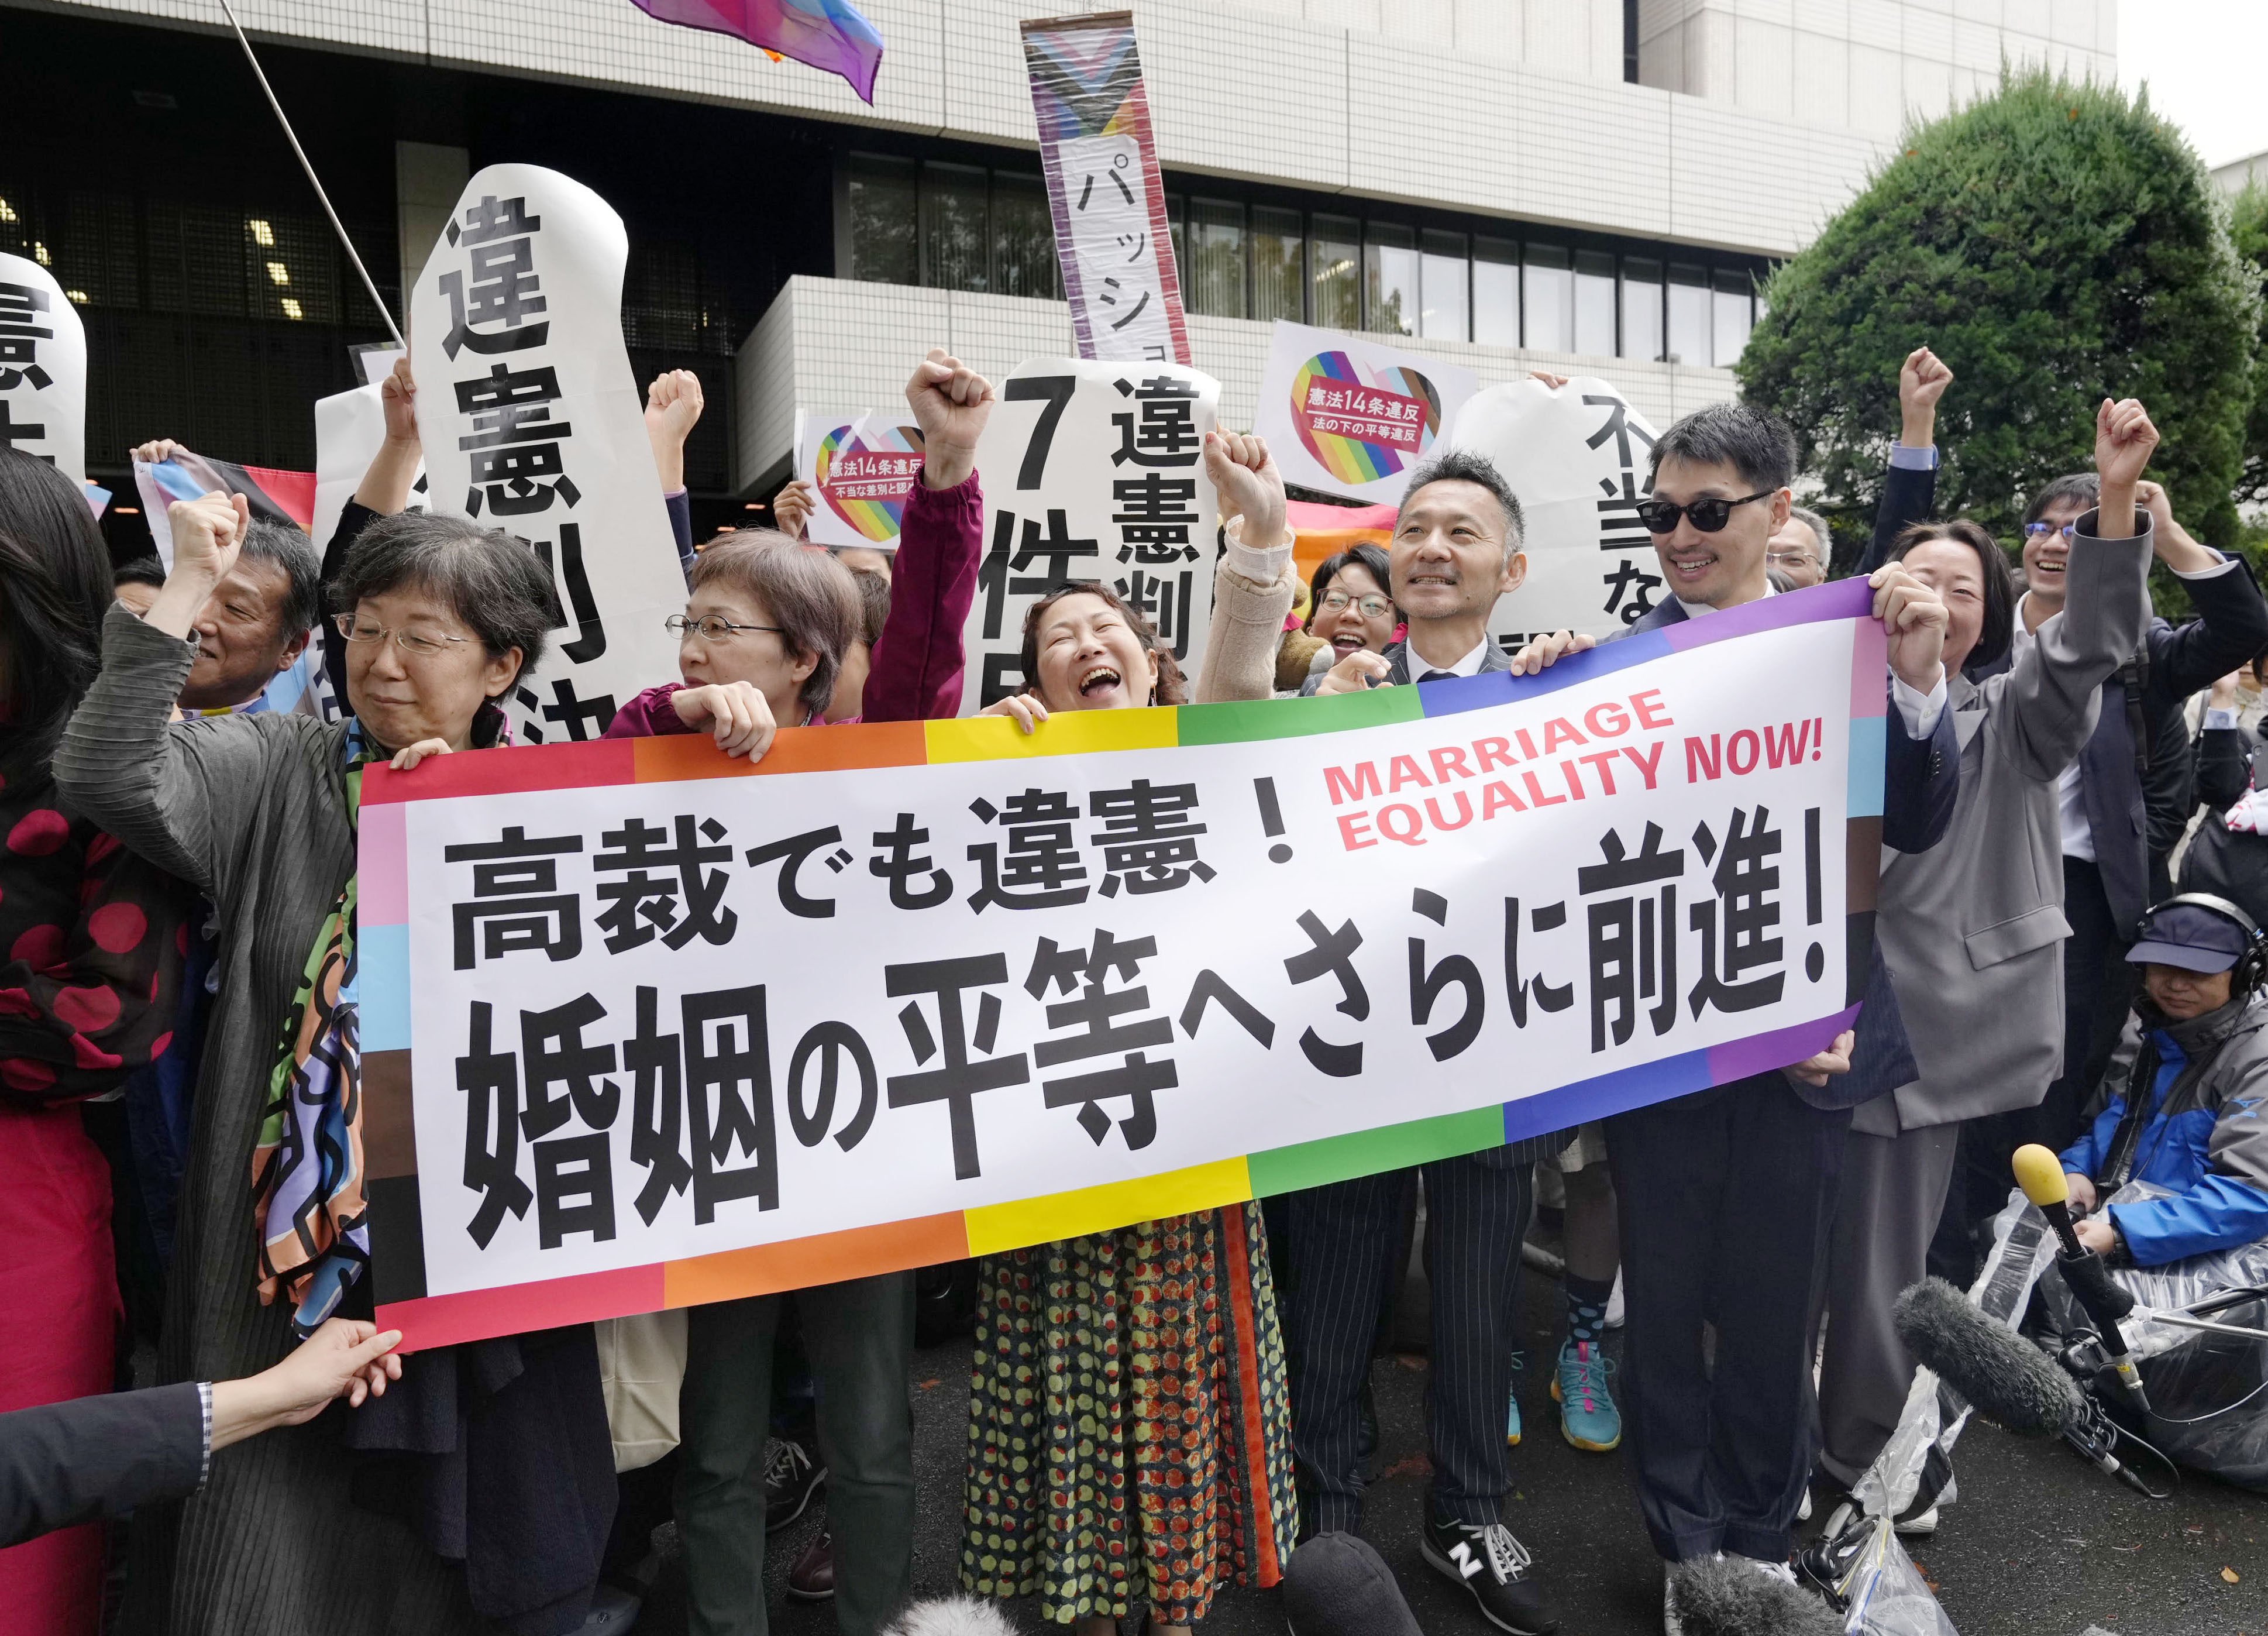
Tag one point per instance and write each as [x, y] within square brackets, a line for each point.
[791, 1477]
[1493, 1566]
[1512, 1419]
[1587, 1416]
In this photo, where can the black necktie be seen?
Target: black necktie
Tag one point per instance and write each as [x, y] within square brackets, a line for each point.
[1439, 675]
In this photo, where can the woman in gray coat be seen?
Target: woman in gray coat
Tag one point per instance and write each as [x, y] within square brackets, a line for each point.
[258, 812]
[1970, 932]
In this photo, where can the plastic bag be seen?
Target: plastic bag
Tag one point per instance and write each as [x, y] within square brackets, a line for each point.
[2208, 1392]
[1887, 1593]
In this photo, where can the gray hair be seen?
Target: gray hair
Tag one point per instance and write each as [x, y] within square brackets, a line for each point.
[1465, 466]
[493, 582]
[955, 1616]
[1757, 445]
[294, 553]
[1817, 524]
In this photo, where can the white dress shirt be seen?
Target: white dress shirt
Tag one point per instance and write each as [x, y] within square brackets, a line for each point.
[1420, 667]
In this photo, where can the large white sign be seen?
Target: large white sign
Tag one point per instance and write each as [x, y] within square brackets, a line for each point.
[1578, 457]
[680, 1010]
[42, 369]
[1351, 418]
[860, 464]
[532, 422]
[1094, 471]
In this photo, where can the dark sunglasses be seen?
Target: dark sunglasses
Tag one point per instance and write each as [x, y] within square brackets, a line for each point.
[1708, 515]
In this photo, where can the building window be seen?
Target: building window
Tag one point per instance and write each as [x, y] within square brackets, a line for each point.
[1279, 273]
[1447, 282]
[956, 237]
[1390, 277]
[1595, 302]
[1023, 237]
[1548, 301]
[1176, 220]
[1688, 315]
[1732, 313]
[1496, 292]
[1641, 308]
[885, 242]
[1215, 284]
[1334, 272]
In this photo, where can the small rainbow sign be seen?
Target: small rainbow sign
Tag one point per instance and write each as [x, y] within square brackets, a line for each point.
[863, 470]
[1363, 424]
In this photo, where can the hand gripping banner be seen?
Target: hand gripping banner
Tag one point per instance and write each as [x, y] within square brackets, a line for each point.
[645, 1027]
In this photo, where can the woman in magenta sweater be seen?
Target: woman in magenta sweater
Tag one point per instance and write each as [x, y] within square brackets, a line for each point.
[761, 644]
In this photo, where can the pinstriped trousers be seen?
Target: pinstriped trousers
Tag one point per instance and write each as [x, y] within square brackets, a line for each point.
[1344, 1256]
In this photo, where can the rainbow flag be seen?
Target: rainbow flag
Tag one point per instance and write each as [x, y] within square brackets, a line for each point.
[831, 35]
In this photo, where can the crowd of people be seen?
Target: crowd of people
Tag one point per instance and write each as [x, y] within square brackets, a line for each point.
[1161, 1411]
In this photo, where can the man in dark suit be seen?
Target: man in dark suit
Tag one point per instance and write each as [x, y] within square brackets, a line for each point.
[1456, 548]
[2127, 800]
[1727, 1195]
[65, 1464]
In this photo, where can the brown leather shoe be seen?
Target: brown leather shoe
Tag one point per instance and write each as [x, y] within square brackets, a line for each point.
[811, 1579]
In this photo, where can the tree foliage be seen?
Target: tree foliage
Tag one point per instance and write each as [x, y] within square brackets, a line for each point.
[2055, 244]
[2248, 228]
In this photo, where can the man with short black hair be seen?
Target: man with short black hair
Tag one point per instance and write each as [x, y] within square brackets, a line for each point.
[1456, 549]
[1727, 1195]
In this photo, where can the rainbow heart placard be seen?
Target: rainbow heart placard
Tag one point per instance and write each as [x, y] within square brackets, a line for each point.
[862, 472]
[1351, 418]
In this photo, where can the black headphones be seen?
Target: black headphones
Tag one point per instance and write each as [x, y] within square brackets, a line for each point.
[2251, 967]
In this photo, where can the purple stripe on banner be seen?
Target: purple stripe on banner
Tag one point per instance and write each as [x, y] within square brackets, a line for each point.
[1609, 1093]
[1501, 686]
[1760, 1052]
[1838, 599]
[1870, 693]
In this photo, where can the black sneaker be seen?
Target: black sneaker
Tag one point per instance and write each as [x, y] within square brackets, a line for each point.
[1493, 1566]
[791, 1478]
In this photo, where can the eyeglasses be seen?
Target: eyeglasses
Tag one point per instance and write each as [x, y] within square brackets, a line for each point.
[358, 630]
[2033, 531]
[1372, 606]
[1797, 558]
[1708, 515]
[711, 627]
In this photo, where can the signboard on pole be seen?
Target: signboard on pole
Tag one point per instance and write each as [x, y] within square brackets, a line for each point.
[1351, 418]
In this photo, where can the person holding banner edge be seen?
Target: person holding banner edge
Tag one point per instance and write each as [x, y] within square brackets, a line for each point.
[1728, 1195]
[1141, 1333]
[441, 619]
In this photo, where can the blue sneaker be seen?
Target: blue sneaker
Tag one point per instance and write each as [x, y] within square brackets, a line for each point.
[1587, 1416]
[1512, 1426]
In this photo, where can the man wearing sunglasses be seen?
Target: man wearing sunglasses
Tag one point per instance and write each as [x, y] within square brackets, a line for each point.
[1727, 1195]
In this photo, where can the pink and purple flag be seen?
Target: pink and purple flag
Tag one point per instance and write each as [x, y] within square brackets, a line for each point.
[832, 35]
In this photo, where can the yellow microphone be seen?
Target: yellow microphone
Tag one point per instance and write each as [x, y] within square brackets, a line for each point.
[2040, 1175]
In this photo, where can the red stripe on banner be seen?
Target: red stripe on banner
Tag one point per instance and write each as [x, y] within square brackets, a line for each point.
[1242, 1316]
[507, 772]
[797, 749]
[292, 491]
[515, 1308]
[822, 1258]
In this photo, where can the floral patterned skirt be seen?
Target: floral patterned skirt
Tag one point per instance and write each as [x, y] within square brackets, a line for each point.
[1129, 1418]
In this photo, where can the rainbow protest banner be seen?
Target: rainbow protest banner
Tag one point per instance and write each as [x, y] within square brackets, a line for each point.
[1351, 417]
[644, 1027]
[1104, 190]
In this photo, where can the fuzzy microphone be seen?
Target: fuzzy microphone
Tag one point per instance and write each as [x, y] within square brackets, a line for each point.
[1730, 1595]
[2005, 1377]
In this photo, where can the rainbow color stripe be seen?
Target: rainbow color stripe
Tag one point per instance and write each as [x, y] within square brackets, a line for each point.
[1348, 459]
[878, 521]
[398, 1259]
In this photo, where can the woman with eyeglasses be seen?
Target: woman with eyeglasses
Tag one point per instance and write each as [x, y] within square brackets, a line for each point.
[1350, 606]
[761, 647]
[438, 620]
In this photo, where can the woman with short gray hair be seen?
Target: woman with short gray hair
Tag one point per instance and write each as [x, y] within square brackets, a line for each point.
[440, 619]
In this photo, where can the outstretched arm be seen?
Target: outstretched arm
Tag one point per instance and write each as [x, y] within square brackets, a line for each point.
[1910, 486]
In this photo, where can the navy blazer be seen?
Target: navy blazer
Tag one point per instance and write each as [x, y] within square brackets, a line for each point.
[1921, 778]
[70, 1463]
[2135, 814]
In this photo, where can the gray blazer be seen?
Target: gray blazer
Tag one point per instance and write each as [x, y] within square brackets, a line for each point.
[1972, 929]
